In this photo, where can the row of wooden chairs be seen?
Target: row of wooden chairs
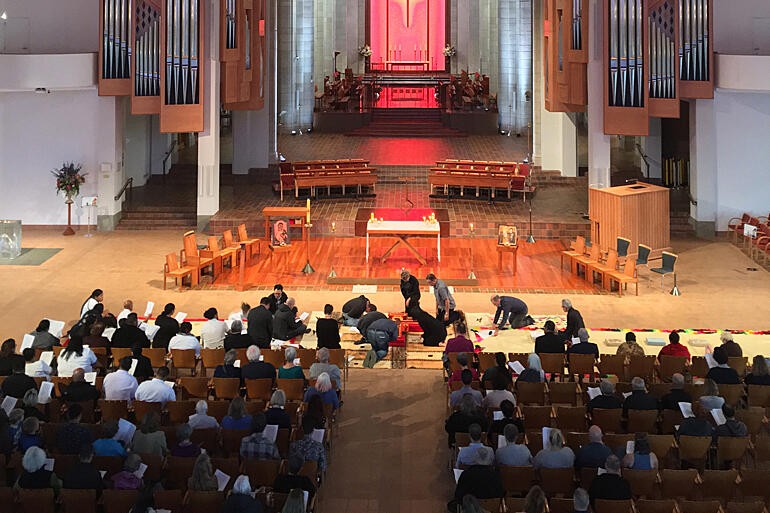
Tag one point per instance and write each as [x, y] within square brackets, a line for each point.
[344, 173]
[755, 246]
[591, 260]
[492, 175]
[565, 505]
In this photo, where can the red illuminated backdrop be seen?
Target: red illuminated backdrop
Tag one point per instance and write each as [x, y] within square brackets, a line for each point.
[407, 34]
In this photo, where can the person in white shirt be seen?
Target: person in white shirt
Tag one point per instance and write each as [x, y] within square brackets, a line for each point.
[242, 314]
[97, 296]
[183, 340]
[128, 307]
[35, 369]
[200, 420]
[75, 356]
[120, 385]
[213, 330]
[156, 390]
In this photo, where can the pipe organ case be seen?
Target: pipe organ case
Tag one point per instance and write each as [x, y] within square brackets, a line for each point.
[145, 93]
[115, 66]
[242, 52]
[565, 55]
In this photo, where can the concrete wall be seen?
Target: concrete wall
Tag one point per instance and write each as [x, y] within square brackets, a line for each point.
[50, 26]
[514, 100]
[742, 27]
[295, 63]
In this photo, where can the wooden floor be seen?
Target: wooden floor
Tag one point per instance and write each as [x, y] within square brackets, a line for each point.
[538, 264]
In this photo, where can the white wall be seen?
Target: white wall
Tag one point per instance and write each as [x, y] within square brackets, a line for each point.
[741, 26]
[137, 159]
[54, 26]
[38, 132]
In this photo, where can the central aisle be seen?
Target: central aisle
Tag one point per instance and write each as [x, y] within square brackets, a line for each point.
[389, 453]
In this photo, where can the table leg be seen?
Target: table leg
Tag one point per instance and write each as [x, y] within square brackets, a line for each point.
[499, 261]
[389, 251]
[515, 262]
[367, 246]
[438, 246]
[412, 249]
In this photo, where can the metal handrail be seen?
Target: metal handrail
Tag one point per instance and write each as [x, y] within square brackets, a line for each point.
[126, 186]
[168, 154]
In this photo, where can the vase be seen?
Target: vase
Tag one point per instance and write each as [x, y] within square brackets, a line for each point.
[69, 202]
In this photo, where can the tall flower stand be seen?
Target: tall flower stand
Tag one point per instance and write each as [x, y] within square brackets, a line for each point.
[69, 230]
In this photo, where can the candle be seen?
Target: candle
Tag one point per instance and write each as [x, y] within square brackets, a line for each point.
[471, 226]
[333, 226]
[308, 211]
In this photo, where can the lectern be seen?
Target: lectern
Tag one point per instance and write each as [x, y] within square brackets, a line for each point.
[639, 212]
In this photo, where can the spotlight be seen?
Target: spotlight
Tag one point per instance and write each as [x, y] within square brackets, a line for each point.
[309, 130]
[281, 157]
[293, 132]
[41, 90]
[502, 132]
[4, 16]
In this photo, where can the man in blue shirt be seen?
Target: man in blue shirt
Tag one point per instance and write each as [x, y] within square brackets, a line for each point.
[513, 310]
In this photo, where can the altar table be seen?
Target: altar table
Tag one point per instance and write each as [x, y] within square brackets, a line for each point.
[403, 230]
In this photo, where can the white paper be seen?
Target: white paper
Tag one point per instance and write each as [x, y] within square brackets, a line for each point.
[297, 361]
[600, 471]
[49, 462]
[180, 317]
[261, 358]
[104, 473]
[270, 432]
[305, 496]
[108, 333]
[501, 442]
[169, 384]
[55, 328]
[593, 392]
[141, 470]
[133, 366]
[353, 329]
[630, 446]
[536, 333]
[485, 334]
[222, 479]
[749, 230]
[710, 360]
[626, 394]
[304, 316]
[150, 330]
[516, 366]
[90, 377]
[148, 310]
[125, 431]
[237, 364]
[229, 324]
[686, 409]
[8, 404]
[47, 357]
[318, 435]
[575, 340]
[26, 342]
[458, 473]
[44, 395]
[719, 417]
[497, 415]
[546, 436]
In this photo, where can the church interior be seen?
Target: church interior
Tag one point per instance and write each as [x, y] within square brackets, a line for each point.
[539, 160]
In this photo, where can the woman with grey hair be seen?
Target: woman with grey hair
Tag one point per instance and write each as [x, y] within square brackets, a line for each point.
[30, 405]
[323, 387]
[323, 365]
[185, 448]
[276, 413]
[228, 368]
[555, 455]
[240, 500]
[35, 475]
[534, 371]
[237, 338]
[289, 370]
[127, 479]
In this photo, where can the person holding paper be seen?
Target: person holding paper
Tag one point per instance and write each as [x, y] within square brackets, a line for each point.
[307, 447]
[467, 455]
[237, 338]
[610, 485]
[353, 310]
[639, 399]
[277, 298]
[200, 419]
[276, 411]
[323, 365]
[240, 500]
[185, 448]
[513, 310]
[723, 374]
[8, 357]
[43, 338]
[710, 398]
[554, 454]
[480, 480]
[498, 395]
[228, 368]
[34, 475]
[29, 403]
[549, 341]
[130, 334]
[107, 445]
[445, 303]
[731, 428]
[30, 434]
[285, 483]
[256, 446]
[502, 418]
[242, 314]
[574, 321]
[96, 297]
[606, 400]
[642, 457]
[674, 348]
[286, 326]
[410, 289]
[534, 371]
[584, 347]
[260, 324]
[184, 340]
[289, 370]
[127, 479]
[513, 454]
[595, 452]
[676, 394]
[699, 425]
[79, 390]
[120, 385]
[73, 435]
[460, 420]
[95, 338]
[156, 390]
[17, 384]
[168, 326]
[213, 331]
[84, 475]
[202, 479]
[143, 369]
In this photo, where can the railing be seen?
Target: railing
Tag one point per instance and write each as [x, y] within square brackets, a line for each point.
[168, 154]
[126, 187]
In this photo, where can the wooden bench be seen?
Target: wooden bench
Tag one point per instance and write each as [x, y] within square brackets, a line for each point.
[345, 173]
[493, 175]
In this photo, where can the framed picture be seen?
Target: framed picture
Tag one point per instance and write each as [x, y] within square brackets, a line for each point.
[507, 235]
[279, 232]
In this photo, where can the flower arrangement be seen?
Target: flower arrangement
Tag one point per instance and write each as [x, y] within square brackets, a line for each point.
[69, 179]
[365, 51]
[450, 51]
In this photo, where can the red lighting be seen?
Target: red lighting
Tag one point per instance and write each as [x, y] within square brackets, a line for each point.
[407, 35]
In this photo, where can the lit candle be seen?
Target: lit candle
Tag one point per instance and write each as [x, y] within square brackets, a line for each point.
[371, 217]
[471, 226]
[308, 211]
[423, 219]
[333, 226]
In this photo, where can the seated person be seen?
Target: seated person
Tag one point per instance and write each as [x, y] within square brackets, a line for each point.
[236, 417]
[29, 402]
[467, 378]
[584, 347]
[595, 452]
[143, 369]
[237, 338]
[460, 420]
[555, 455]
[731, 428]
[676, 394]
[513, 454]
[17, 384]
[354, 309]
[729, 345]
[289, 370]
[460, 343]
[84, 475]
[228, 368]
[129, 334]
[480, 480]
[674, 348]
[315, 412]
[184, 340]
[79, 390]
[120, 385]
[498, 395]
[127, 479]
[699, 425]
[323, 365]
[35, 368]
[43, 338]
[256, 369]
[433, 330]
[276, 411]
[500, 368]
[285, 483]
[149, 438]
[711, 400]
[610, 485]
[73, 435]
[639, 399]
[30, 434]
[606, 400]
[534, 371]
[496, 427]
[285, 322]
[256, 446]
[630, 347]
[323, 387]
[34, 474]
[203, 478]
[240, 499]
[328, 329]
[463, 362]
[722, 374]
[107, 445]
[759, 375]
[309, 449]
[549, 341]
[95, 338]
[185, 448]
[157, 389]
[642, 458]
[580, 501]
[467, 455]
[200, 419]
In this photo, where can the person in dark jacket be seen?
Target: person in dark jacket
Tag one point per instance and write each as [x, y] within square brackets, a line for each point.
[260, 323]
[17, 384]
[410, 289]
[433, 330]
[368, 318]
[549, 342]
[240, 499]
[276, 413]
[730, 346]
[610, 485]
[228, 368]
[723, 374]
[130, 334]
[256, 369]
[584, 347]
[237, 339]
[79, 390]
[731, 428]
[285, 483]
[286, 326]
[513, 310]
[639, 399]
[84, 475]
[574, 320]
[8, 356]
[595, 453]
[461, 420]
[277, 298]
[606, 400]
[676, 395]
[328, 329]
[699, 425]
[760, 374]
[499, 369]
[354, 309]
[143, 369]
[480, 480]
[380, 334]
[168, 326]
[35, 476]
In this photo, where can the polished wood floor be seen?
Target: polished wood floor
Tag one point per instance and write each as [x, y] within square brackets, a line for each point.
[538, 264]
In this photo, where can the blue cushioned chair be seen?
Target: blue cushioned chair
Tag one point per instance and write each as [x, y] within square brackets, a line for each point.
[667, 266]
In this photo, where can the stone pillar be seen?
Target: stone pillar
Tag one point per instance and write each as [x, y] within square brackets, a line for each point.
[652, 147]
[109, 155]
[208, 140]
[251, 140]
[514, 100]
[559, 153]
[598, 141]
[703, 167]
[295, 54]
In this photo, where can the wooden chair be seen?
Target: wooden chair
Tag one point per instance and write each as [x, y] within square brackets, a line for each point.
[695, 390]
[536, 417]
[759, 395]
[191, 256]
[670, 365]
[562, 393]
[655, 505]
[586, 260]
[603, 269]
[249, 243]
[259, 388]
[699, 507]
[210, 358]
[180, 411]
[491, 504]
[171, 500]
[293, 388]
[142, 408]
[699, 367]
[677, 483]
[659, 389]
[205, 502]
[307, 357]
[738, 363]
[612, 364]
[218, 409]
[195, 387]
[731, 450]
[586, 477]
[719, 484]
[178, 470]
[733, 394]
[755, 483]
[628, 275]
[530, 393]
[552, 363]
[231, 440]
[154, 471]
[608, 420]
[36, 501]
[557, 480]
[746, 507]
[642, 366]
[694, 448]
[571, 418]
[575, 440]
[110, 464]
[77, 501]
[613, 506]
[643, 420]
[7, 497]
[642, 482]
[660, 445]
[561, 505]
[118, 501]
[753, 417]
[227, 388]
[184, 359]
[487, 361]
[513, 504]
[261, 472]
[118, 353]
[582, 364]
[220, 255]
[206, 438]
[157, 356]
[172, 269]
[113, 410]
[516, 480]
[230, 466]
[578, 247]
[273, 357]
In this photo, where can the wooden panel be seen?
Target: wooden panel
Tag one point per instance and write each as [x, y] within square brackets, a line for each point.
[565, 88]
[243, 88]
